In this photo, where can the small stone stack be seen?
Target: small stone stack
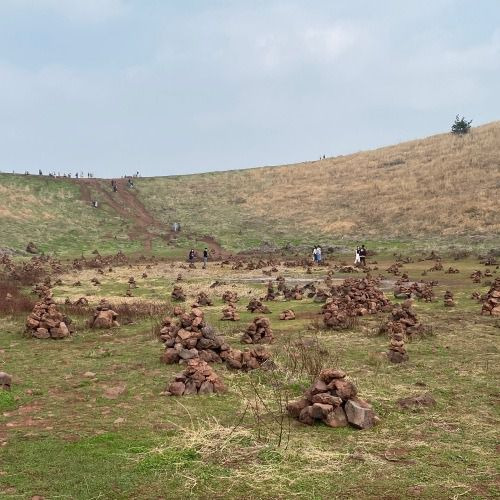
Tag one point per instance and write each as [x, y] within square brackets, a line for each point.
[403, 320]
[476, 276]
[246, 360]
[178, 294]
[42, 290]
[333, 400]
[397, 351]
[281, 283]
[45, 321]
[271, 292]
[258, 332]
[104, 316]
[452, 270]
[256, 306]
[203, 299]
[198, 378]
[229, 313]
[131, 282]
[287, 314]
[294, 293]
[230, 297]
[188, 337]
[491, 303]
[448, 299]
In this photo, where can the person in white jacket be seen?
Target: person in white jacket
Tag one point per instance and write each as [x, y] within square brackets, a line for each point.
[357, 260]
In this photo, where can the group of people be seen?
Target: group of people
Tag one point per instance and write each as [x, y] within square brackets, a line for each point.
[360, 258]
[78, 175]
[317, 254]
[192, 257]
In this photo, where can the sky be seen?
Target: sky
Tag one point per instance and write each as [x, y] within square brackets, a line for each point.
[168, 87]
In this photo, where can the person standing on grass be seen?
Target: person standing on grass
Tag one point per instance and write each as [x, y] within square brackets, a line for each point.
[315, 254]
[205, 258]
[362, 255]
[356, 258]
[318, 254]
[191, 256]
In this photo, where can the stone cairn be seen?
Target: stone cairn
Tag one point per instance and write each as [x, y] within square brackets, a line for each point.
[178, 294]
[294, 293]
[258, 332]
[491, 303]
[132, 283]
[246, 360]
[229, 313]
[188, 337]
[198, 378]
[287, 314]
[203, 299]
[452, 270]
[332, 399]
[45, 321]
[361, 295]
[230, 297]
[104, 316]
[256, 306]
[337, 316]
[271, 292]
[397, 351]
[476, 276]
[403, 319]
[449, 301]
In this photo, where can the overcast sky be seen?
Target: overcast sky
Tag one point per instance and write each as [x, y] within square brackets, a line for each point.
[171, 87]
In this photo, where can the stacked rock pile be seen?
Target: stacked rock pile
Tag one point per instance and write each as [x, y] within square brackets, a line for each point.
[131, 282]
[491, 303]
[397, 351]
[271, 292]
[337, 315]
[230, 297]
[198, 378]
[178, 311]
[246, 360]
[294, 293]
[255, 305]
[203, 299]
[438, 266]
[229, 313]
[403, 319]
[452, 270]
[281, 283]
[178, 294]
[188, 337]
[394, 268]
[287, 314]
[258, 332]
[104, 316]
[476, 276]
[321, 296]
[332, 399]
[45, 321]
[448, 299]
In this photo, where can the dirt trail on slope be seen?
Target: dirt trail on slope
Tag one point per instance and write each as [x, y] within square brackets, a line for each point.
[126, 204]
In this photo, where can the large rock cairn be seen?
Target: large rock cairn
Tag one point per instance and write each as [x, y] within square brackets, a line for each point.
[337, 315]
[178, 294]
[403, 319]
[188, 337]
[421, 290]
[397, 351]
[203, 299]
[491, 302]
[258, 332]
[256, 306]
[448, 299]
[45, 321]
[198, 378]
[287, 314]
[230, 297]
[332, 399]
[104, 316]
[229, 313]
[246, 360]
[294, 293]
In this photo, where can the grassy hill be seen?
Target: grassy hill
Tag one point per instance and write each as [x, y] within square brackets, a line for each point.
[441, 188]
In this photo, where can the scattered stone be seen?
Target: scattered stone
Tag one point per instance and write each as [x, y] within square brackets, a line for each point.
[452, 270]
[246, 360]
[258, 332]
[32, 248]
[417, 402]
[333, 400]
[5, 381]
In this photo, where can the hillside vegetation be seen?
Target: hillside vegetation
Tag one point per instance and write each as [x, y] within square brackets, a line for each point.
[442, 188]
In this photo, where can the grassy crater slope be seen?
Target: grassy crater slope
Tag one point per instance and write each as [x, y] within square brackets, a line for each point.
[441, 186]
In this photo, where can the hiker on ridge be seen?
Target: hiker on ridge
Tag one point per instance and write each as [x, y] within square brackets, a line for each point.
[205, 258]
[362, 255]
[356, 258]
[191, 256]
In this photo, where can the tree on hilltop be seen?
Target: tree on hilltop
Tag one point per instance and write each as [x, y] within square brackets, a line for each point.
[461, 126]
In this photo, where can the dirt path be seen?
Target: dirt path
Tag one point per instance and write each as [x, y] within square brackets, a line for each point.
[127, 205]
